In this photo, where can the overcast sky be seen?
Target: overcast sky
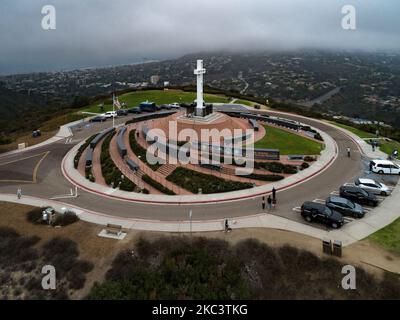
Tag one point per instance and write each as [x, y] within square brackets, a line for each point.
[110, 32]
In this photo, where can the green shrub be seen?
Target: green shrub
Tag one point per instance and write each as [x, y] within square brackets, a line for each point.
[304, 165]
[309, 159]
[276, 167]
[140, 151]
[127, 185]
[264, 177]
[157, 185]
[193, 181]
[81, 149]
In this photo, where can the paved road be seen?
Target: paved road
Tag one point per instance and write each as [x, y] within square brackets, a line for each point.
[51, 182]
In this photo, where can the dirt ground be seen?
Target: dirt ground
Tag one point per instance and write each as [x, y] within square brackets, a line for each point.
[101, 251]
[28, 139]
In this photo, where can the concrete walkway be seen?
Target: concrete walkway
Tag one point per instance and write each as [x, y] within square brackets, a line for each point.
[352, 232]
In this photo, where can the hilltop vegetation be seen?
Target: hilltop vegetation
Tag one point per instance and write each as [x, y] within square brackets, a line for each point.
[184, 268]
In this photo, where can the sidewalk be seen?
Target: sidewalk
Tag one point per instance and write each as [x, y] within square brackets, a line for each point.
[348, 234]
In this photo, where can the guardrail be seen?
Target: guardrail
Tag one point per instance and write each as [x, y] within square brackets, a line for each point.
[151, 116]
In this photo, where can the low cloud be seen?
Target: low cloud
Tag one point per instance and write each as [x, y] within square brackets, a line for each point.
[103, 32]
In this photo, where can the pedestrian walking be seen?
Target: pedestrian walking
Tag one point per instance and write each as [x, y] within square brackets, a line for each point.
[269, 203]
[263, 202]
[373, 147]
[273, 193]
[348, 152]
[19, 193]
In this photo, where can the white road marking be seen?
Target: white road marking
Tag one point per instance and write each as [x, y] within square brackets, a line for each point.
[319, 201]
[297, 209]
[335, 193]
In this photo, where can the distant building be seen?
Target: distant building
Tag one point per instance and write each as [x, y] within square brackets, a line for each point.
[154, 79]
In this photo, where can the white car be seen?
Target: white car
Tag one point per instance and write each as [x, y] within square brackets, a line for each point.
[384, 166]
[175, 105]
[373, 186]
[110, 114]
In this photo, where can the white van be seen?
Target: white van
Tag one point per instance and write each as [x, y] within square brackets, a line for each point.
[384, 166]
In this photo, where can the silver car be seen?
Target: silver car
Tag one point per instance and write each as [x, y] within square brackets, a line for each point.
[373, 186]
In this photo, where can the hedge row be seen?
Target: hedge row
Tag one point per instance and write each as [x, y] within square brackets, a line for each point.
[264, 177]
[111, 174]
[157, 185]
[276, 167]
[193, 181]
[140, 151]
[81, 149]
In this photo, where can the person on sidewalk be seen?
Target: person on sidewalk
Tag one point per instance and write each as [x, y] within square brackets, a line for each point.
[19, 193]
[273, 193]
[263, 202]
[348, 152]
[269, 203]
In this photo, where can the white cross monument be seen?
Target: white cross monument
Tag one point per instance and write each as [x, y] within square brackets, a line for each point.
[200, 101]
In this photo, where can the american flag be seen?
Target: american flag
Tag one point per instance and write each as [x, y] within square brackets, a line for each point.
[116, 102]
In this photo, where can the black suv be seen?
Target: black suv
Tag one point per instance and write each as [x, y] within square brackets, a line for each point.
[122, 112]
[312, 211]
[345, 206]
[358, 195]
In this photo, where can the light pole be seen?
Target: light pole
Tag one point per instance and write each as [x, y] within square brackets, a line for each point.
[190, 219]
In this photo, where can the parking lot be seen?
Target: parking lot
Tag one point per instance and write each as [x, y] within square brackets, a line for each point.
[389, 180]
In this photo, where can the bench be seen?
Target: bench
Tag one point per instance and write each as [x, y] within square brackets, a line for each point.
[132, 165]
[113, 229]
[254, 124]
[295, 157]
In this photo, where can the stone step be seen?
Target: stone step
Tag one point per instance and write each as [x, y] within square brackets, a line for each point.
[166, 169]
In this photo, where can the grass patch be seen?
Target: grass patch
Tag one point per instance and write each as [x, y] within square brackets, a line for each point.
[245, 102]
[193, 181]
[388, 146]
[288, 143]
[388, 237]
[133, 99]
[357, 132]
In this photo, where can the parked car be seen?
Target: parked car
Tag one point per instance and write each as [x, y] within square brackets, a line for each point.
[110, 114]
[384, 166]
[345, 206]
[98, 119]
[148, 107]
[175, 105]
[373, 186]
[165, 106]
[134, 110]
[312, 211]
[122, 112]
[36, 133]
[358, 195]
